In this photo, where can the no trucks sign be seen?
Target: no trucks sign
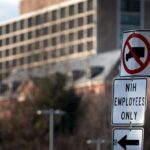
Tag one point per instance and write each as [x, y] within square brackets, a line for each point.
[135, 55]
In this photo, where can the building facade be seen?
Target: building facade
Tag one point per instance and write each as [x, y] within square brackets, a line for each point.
[50, 35]
[67, 30]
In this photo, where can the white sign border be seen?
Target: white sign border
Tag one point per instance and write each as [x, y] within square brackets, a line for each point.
[128, 124]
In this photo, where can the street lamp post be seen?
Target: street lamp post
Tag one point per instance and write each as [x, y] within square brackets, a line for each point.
[51, 113]
[98, 142]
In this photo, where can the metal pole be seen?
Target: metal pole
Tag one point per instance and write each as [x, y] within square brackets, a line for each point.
[98, 145]
[51, 132]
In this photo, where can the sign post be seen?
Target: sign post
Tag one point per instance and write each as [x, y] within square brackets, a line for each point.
[130, 94]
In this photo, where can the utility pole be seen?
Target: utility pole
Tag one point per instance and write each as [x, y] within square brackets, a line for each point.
[51, 113]
[98, 142]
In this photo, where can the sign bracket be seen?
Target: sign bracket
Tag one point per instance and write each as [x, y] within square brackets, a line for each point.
[130, 126]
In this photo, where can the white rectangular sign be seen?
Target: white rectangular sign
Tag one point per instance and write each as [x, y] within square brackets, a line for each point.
[128, 139]
[129, 101]
[135, 57]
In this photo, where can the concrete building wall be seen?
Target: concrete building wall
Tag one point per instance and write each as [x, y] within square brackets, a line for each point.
[27, 6]
[107, 28]
[50, 35]
[147, 14]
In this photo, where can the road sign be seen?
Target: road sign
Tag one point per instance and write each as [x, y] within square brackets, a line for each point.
[129, 101]
[135, 54]
[128, 139]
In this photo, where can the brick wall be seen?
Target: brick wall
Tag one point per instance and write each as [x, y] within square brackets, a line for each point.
[27, 6]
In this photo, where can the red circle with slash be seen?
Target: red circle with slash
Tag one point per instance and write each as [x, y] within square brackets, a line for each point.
[142, 65]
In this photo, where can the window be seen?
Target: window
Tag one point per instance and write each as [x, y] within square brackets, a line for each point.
[77, 74]
[38, 19]
[37, 45]
[130, 16]
[96, 70]
[54, 28]
[45, 17]
[30, 35]
[14, 62]
[7, 52]
[44, 31]
[71, 10]
[22, 37]
[7, 28]
[38, 32]
[0, 65]
[71, 49]
[45, 43]
[62, 39]
[80, 47]
[132, 19]
[30, 47]
[1, 31]
[71, 24]
[62, 52]
[15, 85]
[90, 32]
[80, 34]
[14, 50]
[130, 6]
[89, 46]
[14, 39]
[35, 57]
[62, 26]
[90, 19]
[80, 7]
[90, 4]
[29, 59]
[21, 61]
[14, 26]
[7, 64]
[22, 24]
[53, 41]
[30, 22]
[7, 41]
[22, 49]
[71, 36]
[0, 42]
[63, 12]
[53, 54]
[45, 56]
[54, 15]
[80, 21]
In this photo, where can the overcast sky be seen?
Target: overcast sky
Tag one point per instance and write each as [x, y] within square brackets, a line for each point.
[9, 9]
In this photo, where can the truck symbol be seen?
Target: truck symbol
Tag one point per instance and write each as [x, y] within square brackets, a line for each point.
[139, 52]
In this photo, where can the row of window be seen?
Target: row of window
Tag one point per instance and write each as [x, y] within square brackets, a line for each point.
[131, 5]
[130, 12]
[130, 15]
[48, 54]
[29, 48]
[47, 16]
[61, 39]
[46, 31]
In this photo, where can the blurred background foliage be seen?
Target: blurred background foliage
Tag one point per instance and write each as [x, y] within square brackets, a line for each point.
[87, 117]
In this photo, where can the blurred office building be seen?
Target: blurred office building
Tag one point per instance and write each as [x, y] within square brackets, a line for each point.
[79, 37]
